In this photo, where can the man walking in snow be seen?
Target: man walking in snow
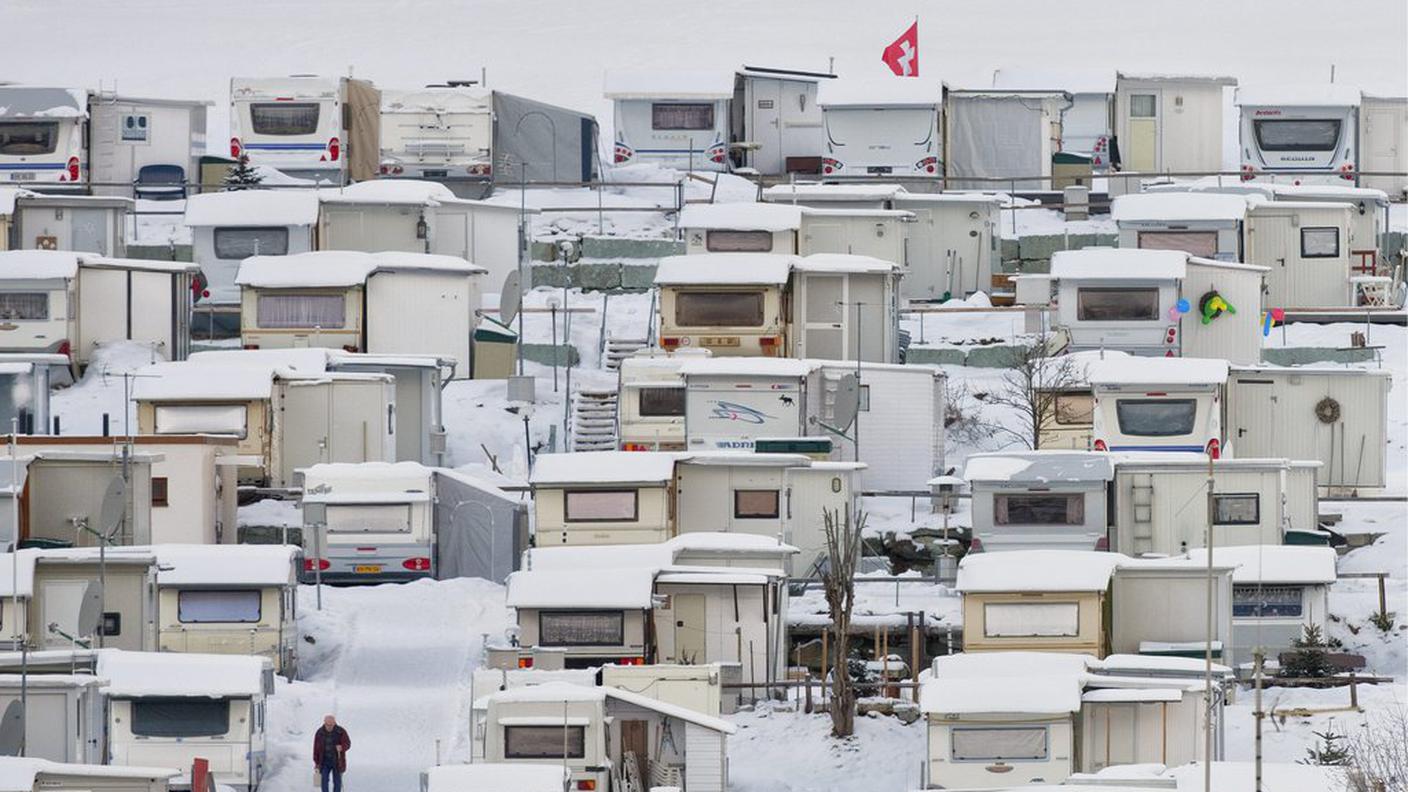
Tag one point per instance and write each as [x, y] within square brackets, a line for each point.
[330, 746]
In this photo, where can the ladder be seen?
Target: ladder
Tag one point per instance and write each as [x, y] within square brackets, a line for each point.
[618, 349]
[594, 419]
[1142, 501]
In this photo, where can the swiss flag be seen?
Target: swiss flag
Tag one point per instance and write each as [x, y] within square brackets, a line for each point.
[903, 55]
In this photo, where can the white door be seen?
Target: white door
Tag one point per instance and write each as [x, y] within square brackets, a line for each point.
[154, 305]
[103, 299]
[823, 236]
[361, 420]
[305, 428]
[1267, 246]
[61, 601]
[767, 125]
[1141, 149]
[1383, 148]
[823, 330]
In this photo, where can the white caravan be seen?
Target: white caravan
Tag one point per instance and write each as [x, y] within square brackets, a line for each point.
[674, 119]
[229, 227]
[1302, 134]
[1160, 404]
[1168, 123]
[323, 128]
[888, 129]
[442, 133]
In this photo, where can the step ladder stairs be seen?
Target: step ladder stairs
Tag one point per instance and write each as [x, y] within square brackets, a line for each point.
[618, 349]
[594, 419]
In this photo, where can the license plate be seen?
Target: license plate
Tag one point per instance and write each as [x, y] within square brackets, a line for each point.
[367, 569]
[719, 341]
[435, 174]
[879, 169]
[21, 177]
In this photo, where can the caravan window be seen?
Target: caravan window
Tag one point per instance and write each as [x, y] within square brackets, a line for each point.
[1266, 602]
[369, 518]
[1198, 243]
[1076, 409]
[1156, 417]
[1117, 305]
[179, 717]
[26, 138]
[600, 506]
[1319, 243]
[298, 311]
[661, 402]
[1042, 509]
[719, 309]
[24, 306]
[1308, 134]
[229, 605]
[241, 243]
[1142, 105]
[284, 118]
[202, 419]
[681, 117]
[1236, 509]
[996, 743]
[755, 504]
[581, 628]
[545, 742]
[738, 241]
[1031, 619]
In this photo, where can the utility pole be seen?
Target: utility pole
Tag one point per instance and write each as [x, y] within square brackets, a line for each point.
[1207, 648]
[21, 632]
[1258, 714]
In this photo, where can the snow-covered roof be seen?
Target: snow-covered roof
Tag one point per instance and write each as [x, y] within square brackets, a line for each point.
[38, 264]
[1011, 664]
[1119, 264]
[341, 268]
[8, 196]
[1177, 206]
[891, 92]
[681, 549]
[1175, 77]
[1158, 664]
[390, 191]
[669, 84]
[727, 542]
[1273, 563]
[553, 692]
[139, 674]
[1330, 192]
[1297, 95]
[20, 774]
[1132, 695]
[603, 467]
[253, 208]
[904, 198]
[24, 565]
[670, 710]
[783, 193]
[1031, 693]
[1036, 571]
[208, 566]
[767, 269]
[1038, 467]
[447, 99]
[742, 217]
[1157, 371]
[791, 368]
[843, 262]
[1073, 81]
[25, 101]
[189, 381]
[582, 588]
[856, 211]
[496, 775]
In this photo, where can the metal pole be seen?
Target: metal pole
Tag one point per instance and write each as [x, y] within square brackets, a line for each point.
[552, 308]
[1258, 714]
[20, 634]
[522, 250]
[319, 538]
[1207, 649]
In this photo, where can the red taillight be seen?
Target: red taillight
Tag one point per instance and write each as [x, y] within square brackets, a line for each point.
[417, 564]
[334, 149]
[1214, 449]
[768, 341]
[1102, 544]
[633, 661]
[928, 164]
[829, 165]
[634, 447]
[250, 346]
[1248, 173]
[975, 545]
[66, 348]
[1100, 446]
[717, 154]
[322, 563]
[669, 343]
[73, 169]
[235, 148]
[1347, 171]
[385, 170]
[525, 662]
[622, 153]
[587, 784]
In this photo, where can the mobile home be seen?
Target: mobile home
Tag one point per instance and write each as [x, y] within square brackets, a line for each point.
[1088, 124]
[1383, 125]
[169, 709]
[65, 718]
[1299, 133]
[41, 775]
[1368, 218]
[1207, 225]
[882, 130]
[650, 401]
[322, 128]
[229, 227]
[1166, 123]
[740, 228]
[1159, 724]
[1160, 502]
[1037, 600]
[1001, 139]
[776, 120]
[603, 497]
[594, 616]
[442, 133]
[1039, 500]
[1277, 592]
[81, 223]
[674, 119]
[361, 302]
[65, 139]
[1306, 246]
[951, 244]
[1160, 404]
[69, 303]
[64, 582]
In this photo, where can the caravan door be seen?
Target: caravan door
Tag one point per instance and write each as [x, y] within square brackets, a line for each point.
[1141, 150]
[823, 325]
[766, 111]
[362, 417]
[1308, 253]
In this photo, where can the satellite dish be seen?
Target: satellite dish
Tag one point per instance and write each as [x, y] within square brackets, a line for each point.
[114, 506]
[12, 729]
[510, 298]
[90, 611]
[847, 402]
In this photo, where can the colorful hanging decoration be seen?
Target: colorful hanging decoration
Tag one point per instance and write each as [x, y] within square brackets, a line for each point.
[1211, 306]
[1179, 309]
[1271, 318]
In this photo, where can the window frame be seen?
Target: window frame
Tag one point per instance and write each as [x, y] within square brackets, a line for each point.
[577, 745]
[1261, 123]
[730, 240]
[1119, 417]
[1149, 315]
[1063, 604]
[136, 705]
[180, 410]
[546, 614]
[1303, 249]
[955, 730]
[776, 512]
[161, 492]
[258, 603]
[402, 509]
[1057, 414]
[1006, 498]
[50, 127]
[1219, 497]
[1153, 105]
[683, 297]
[226, 231]
[340, 298]
[659, 110]
[567, 495]
[641, 399]
[256, 107]
[30, 296]
[1257, 609]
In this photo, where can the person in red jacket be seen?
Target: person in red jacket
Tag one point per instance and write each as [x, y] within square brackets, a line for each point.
[330, 746]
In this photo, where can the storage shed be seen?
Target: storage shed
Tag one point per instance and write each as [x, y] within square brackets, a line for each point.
[65, 719]
[1169, 123]
[1037, 600]
[1144, 621]
[1039, 500]
[229, 227]
[67, 584]
[1368, 221]
[81, 223]
[62, 490]
[1001, 139]
[951, 244]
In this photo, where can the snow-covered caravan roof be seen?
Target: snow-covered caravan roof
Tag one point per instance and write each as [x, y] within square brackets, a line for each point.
[8, 195]
[669, 710]
[790, 368]
[1297, 95]
[414, 192]
[64, 264]
[1273, 563]
[1072, 81]
[369, 477]
[215, 566]
[446, 99]
[1118, 264]
[495, 775]
[1177, 206]
[766, 269]
[878, 93]
[742, 217]
[667, 84]
[20, 774]
[844, 262]
[1175, 77]
[181, 674]
[1037, 571]
[248, 208]
[1038, 467]
[301, 86]
[630, 587]
[1329, 192]
[550, 692]
[341, 268]
[1037, 683]
[603, 467]
[1157, 371]
[24, 101]
[173, 381]
[781, 193]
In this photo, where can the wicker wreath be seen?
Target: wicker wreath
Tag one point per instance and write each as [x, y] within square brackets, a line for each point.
[1327, 410]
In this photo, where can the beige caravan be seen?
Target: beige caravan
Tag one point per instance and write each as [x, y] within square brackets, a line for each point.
[24, 774]
[603, 497]
[593, 616]
[740, 228]
[1037, 600]
[728, 303]
[64, 580]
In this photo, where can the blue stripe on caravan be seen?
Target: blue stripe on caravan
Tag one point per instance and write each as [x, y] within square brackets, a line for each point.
[285, 146]
[1193, 448]
[33, 166]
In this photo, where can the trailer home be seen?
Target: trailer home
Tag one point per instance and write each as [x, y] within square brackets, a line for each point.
[1039, 500]
[361, 302]
[65, 719]
[69, 303]
[1088, 124]
[1133, 301]
[1001, 139]
[1166, 123]
[1037, 600]
[1158, 404]
[1306, 246]
[66, 580]
[1383, 159]
[40, 775]
[603, 497]
[321, 128]
[1207, 225]
[674, 119]
[72, 139]
[81, 223]
[593, 616]
[882, 129]
[650, 400]
[170, 709]
[1368, 219]
[1302, 134]
[442, 133]
[1160, 502]
[1277, 593]
[229, 227]
[740, 228]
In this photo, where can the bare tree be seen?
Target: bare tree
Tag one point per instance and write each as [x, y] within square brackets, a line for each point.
[839, 580]
[1034, 380]
[1378, 753]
